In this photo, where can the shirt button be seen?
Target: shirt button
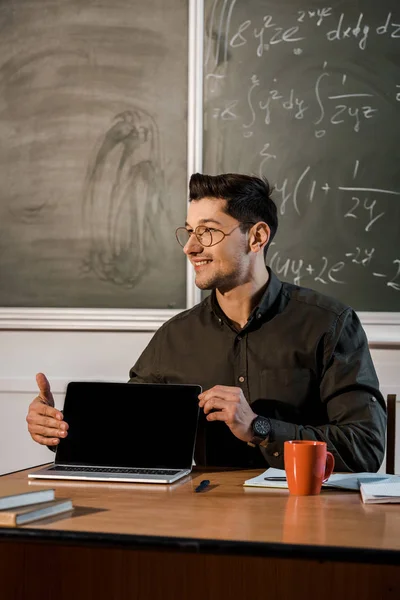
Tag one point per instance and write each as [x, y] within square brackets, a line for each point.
[239, 337]
[276, 454]
[373, 399]
[259, 316]
[241, 379]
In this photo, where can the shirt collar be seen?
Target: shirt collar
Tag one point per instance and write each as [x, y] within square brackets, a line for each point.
[268, 299]
[270, 295]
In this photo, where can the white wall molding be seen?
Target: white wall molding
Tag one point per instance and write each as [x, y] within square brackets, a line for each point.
[27, 385]
[381, 327]
[84, 319]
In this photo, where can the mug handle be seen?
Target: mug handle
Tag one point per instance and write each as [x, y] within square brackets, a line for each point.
[330, 464]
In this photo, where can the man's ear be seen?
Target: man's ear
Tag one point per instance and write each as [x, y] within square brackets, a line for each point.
[259, 236]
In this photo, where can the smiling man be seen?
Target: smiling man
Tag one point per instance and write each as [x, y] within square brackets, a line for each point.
[276, 361]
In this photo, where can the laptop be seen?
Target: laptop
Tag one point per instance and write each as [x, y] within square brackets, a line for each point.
[126, 432]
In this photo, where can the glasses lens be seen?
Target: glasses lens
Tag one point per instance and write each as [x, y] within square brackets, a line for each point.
[209, 237]
[182, 235]
[204, 236]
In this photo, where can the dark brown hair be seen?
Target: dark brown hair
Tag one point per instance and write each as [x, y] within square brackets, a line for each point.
[248, 199]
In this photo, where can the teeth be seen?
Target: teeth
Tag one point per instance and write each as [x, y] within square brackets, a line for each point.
[203, 262]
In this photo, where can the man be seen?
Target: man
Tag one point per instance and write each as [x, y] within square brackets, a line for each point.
[276, 361]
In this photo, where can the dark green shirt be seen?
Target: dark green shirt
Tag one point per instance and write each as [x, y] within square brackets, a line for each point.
[302, 360]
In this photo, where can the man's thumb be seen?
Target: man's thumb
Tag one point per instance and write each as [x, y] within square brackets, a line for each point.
[44, 386]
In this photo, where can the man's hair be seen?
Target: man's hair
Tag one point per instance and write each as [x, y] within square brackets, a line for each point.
[248, 199]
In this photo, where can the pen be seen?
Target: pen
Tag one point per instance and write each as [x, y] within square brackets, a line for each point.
[202, 485]
[275, 478]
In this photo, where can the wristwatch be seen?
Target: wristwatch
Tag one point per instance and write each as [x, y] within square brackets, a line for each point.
[261, 429]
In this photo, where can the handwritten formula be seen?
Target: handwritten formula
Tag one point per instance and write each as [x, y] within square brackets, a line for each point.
[308, 96]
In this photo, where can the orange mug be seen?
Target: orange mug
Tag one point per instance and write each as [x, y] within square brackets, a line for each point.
[307, 464]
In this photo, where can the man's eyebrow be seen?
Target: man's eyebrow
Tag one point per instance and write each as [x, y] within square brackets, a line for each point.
[203, 221]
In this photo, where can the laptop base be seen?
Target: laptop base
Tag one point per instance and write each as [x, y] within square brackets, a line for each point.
[53, 473]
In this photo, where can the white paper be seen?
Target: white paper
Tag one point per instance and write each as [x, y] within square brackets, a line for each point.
[343, 481]
[380, 492]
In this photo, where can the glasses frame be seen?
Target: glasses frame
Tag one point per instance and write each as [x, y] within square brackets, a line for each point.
[211, 230]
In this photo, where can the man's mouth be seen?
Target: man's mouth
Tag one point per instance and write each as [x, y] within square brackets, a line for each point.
[200, 263]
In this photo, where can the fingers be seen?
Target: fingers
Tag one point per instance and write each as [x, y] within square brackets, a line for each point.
[45, 423]
[45, 441]
[47, 431]
[35, 418]
[44, 388]
[217, 409]
[38, 407]
[221, 403]
[228, 404]
[222, 389]
[223, 392]
[220, 415]
[214, 404]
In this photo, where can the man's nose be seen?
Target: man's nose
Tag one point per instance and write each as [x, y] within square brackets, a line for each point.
[192, 245]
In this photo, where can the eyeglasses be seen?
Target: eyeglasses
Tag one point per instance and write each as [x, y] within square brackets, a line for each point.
[206, 236]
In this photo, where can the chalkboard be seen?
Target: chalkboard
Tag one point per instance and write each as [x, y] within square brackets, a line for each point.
[307, 94]
[93, 153]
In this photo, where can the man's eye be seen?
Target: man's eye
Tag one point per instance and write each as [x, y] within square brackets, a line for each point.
[212, 230]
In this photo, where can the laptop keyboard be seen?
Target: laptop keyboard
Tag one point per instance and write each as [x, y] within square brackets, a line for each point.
[128, 471]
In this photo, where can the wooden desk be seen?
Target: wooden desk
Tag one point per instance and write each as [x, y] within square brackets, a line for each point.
[142, 541]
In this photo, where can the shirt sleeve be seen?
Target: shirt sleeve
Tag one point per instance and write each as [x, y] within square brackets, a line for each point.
[349, 388]
[146, 368]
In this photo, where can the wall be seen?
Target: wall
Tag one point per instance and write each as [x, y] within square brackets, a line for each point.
[69, 355]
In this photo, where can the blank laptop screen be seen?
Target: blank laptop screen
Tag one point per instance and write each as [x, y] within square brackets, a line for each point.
[129, 425]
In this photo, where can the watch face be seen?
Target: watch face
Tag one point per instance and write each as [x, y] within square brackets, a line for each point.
[261, 427]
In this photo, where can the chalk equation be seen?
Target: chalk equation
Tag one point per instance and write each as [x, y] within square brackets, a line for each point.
[324, 270]
[347, 107]
[265, 33]
[361, 201]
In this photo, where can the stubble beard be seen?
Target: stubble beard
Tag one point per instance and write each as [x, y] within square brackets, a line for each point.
[225, 281]
[221, 281]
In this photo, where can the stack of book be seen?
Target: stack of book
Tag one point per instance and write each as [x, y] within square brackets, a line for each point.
[20, 504]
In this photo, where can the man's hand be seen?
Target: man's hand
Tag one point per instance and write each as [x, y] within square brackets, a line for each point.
[45, 423]
[229, 405]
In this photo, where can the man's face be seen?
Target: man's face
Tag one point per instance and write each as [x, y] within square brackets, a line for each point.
[225, 265]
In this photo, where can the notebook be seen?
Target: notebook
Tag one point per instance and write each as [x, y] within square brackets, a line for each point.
[126, 432]
[380, 493]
